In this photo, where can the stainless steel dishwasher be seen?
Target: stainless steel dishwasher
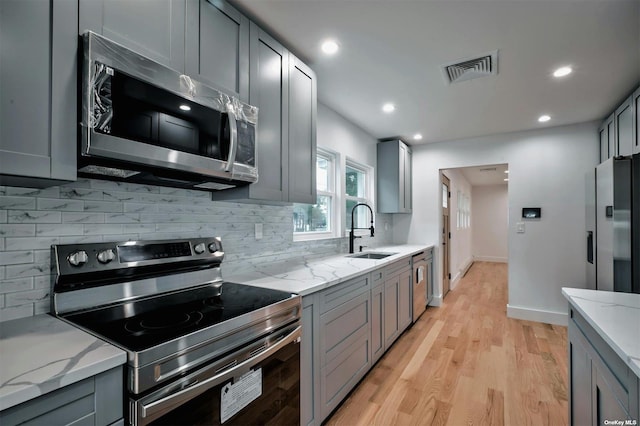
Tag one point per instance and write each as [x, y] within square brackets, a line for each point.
[419, 263]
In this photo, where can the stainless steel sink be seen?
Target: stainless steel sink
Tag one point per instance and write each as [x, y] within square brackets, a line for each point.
[371, 255]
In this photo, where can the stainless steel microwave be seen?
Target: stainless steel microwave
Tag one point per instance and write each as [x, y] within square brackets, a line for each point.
[146, 123]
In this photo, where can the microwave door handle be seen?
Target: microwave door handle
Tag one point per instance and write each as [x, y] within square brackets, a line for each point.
[233, 143]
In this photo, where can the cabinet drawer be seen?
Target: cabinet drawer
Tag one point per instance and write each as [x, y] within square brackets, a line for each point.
[342, 326]
[343, 373]
[343, 292]
[96, 401]
[377, 277]
[397, 267]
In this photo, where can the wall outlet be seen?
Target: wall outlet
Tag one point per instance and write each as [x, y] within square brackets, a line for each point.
[520, 227]
[258, 231]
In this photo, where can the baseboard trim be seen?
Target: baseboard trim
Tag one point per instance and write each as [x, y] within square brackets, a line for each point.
[436, 301]
[494, 259]
[538, 315]
[466, 268]
[461, 273]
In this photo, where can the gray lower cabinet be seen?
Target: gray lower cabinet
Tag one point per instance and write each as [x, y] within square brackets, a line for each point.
[344, 334]
[155, 29]
[96, 401]
[345, 355]
[430, 283]
[601, 386]
[397, 300]
[309, 359]
[377, 315]
[394, 177]
[217, 46]
[38, 87]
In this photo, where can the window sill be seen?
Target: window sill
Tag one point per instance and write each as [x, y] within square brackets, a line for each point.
[311, 236]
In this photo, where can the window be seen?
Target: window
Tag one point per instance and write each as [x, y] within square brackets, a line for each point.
[463, 214]
[311, 221]
[358, 182]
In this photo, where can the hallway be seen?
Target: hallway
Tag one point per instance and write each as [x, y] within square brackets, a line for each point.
[467, 363]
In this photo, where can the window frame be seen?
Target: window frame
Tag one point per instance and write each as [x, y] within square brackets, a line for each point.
[333, 158]
[368, 198]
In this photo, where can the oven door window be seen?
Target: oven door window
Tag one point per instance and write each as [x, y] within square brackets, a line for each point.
[278, 403]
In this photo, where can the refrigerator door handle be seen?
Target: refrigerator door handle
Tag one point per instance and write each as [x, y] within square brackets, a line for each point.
[590, 247]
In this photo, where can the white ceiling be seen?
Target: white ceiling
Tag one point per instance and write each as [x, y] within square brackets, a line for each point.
[486, 175]
[392, 50]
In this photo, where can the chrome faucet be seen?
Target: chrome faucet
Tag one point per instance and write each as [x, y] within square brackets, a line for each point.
[352, 237]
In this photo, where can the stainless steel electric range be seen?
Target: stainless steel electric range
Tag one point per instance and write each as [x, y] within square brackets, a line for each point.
[200, 350]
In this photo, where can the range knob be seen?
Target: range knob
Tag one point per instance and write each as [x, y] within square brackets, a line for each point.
[106, 256]
[78, 258]
[213, 247]
[199, 248]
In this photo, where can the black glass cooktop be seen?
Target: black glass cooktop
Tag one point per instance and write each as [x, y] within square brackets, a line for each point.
[146, 323]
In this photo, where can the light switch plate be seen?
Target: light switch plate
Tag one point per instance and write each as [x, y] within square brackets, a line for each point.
[520, 227]
[258, 231]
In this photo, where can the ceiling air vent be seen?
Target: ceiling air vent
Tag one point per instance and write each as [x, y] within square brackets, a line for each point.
[470, 68]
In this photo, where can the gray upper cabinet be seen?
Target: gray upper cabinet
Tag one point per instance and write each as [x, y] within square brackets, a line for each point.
[38, 88]
[269, 91]
[619, 135]
[604, 142]
[217, 46]
[636, 121]
[152, 28]
[285, 91]
[624, 127]
[607, 138]
[394, 177]
[303, 103]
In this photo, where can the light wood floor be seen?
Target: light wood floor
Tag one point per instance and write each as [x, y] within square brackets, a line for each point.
[467, 363]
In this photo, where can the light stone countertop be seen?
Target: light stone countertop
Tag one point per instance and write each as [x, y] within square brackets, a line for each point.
[615, 317]
[41, 354]
[305, 277]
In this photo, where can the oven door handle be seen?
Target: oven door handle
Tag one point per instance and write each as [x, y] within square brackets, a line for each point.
[149, 411]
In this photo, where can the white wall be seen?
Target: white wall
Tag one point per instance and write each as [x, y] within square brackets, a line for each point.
[339, 135]
[546, 169]
[460, 255]
[489, 221]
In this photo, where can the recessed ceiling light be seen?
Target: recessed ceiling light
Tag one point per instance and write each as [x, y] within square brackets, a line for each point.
[417, 137]
[506, 179]
[329, 47]
[562, 71]
[388, 107]
[185, 107]
[544, 118]
[506, 171]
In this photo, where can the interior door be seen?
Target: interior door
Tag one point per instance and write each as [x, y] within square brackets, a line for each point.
[446, 235]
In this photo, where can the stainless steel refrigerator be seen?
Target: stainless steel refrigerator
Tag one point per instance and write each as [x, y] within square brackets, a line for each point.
[617, 225]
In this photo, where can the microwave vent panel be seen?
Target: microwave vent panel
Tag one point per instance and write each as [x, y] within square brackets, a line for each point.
[470, 68]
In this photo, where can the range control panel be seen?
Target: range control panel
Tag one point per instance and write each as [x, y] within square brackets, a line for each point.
[72, 259]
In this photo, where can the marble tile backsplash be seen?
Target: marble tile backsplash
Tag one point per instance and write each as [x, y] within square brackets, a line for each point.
[31, 220]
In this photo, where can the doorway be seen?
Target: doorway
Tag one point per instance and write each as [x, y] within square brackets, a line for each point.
[474, 220]
[446, 234]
